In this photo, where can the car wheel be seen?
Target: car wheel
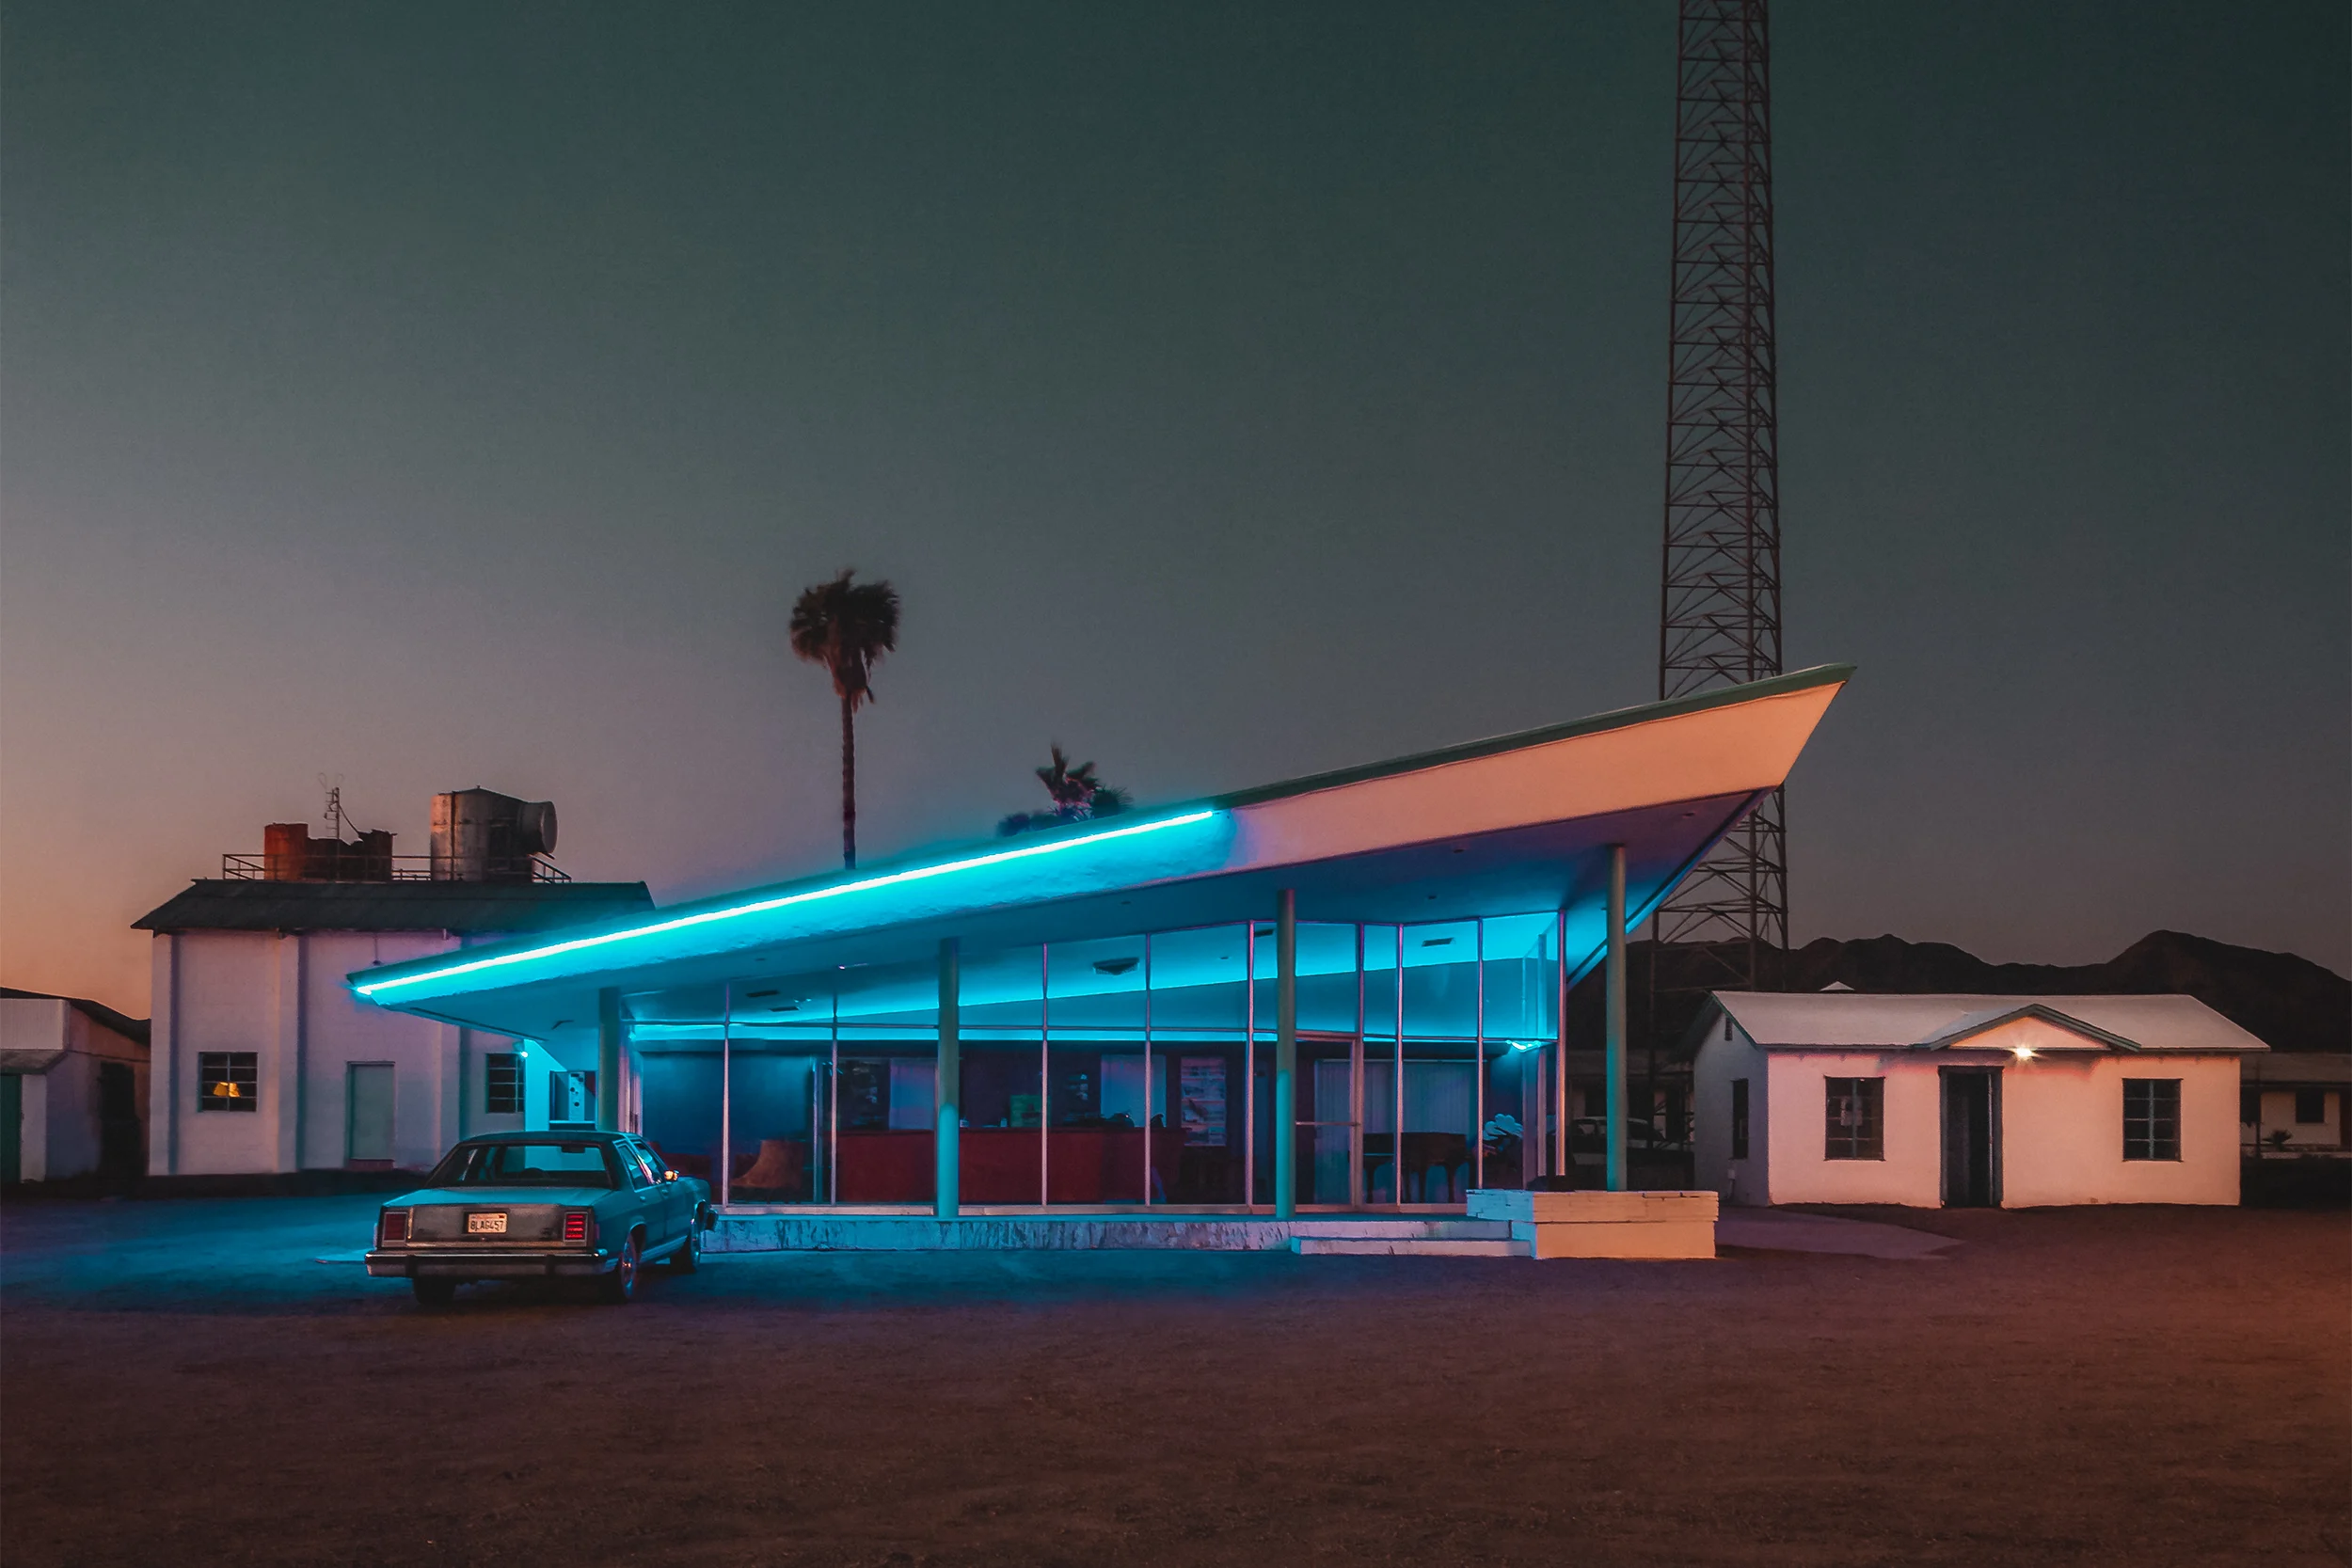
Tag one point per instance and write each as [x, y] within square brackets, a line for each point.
[689, 1257]
[434, 1292]
[620, 1285]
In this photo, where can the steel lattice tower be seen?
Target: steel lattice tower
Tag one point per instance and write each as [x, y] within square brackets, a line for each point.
[1720, 618]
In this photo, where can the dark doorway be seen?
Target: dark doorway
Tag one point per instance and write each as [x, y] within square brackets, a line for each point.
[1968, 1110]
[122, 1146]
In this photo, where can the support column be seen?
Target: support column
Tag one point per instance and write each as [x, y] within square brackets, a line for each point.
[287, 1063]
[1286, 1055]
[609, 1059]
[1613, 984]
[163, 1063]
[1557, 1108]
[947, 1142]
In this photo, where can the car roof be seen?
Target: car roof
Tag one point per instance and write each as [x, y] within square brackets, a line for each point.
[551, 1135]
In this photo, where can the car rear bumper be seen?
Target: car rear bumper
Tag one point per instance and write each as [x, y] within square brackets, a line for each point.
[504, 1264]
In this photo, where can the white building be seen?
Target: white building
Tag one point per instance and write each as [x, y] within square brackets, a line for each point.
[72, 1077]
[2293, 1103]
[1840, 1097]
[265, 1062]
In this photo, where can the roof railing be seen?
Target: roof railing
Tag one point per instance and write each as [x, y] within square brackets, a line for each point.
[352, 866]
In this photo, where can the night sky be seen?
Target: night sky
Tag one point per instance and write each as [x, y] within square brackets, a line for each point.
[441, 395]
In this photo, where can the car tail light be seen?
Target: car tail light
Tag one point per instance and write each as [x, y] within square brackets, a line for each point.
[575, 1224]
[395, 1225]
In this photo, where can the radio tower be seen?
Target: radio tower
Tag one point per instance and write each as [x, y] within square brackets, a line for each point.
[1720, 618]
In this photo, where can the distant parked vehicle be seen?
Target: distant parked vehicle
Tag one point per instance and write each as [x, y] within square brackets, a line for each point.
[1588, 1142]
[564, 1204]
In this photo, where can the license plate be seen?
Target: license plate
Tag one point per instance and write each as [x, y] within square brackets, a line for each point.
[486, 1225]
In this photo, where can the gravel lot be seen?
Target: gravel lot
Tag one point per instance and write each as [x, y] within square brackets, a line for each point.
[183, 1385]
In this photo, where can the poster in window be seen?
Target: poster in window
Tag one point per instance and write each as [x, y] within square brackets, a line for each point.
[1200, 1085]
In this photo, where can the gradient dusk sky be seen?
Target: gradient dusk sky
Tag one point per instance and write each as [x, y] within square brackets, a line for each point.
[435, 395]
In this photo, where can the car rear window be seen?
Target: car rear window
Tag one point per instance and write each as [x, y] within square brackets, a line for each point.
[525, 1164]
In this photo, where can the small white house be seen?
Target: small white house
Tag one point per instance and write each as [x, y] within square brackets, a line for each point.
[1842, 1096]
[72, 1078]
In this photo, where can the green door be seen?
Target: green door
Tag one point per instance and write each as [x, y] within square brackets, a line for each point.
[369, 1098]
[11, 1127]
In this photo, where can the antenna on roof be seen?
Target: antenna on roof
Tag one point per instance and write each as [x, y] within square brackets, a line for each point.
[336, 820]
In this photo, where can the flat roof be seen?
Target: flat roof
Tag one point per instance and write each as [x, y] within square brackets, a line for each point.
[1513, 823]
[215, 904]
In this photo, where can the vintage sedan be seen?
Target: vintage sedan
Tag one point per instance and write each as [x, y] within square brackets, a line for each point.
[560, 1204]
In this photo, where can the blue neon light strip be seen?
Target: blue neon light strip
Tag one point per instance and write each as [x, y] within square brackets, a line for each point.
[866, 884]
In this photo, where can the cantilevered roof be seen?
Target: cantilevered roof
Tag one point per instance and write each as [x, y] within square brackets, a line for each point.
[214, 904]
[1857, 1020]
[1516, 823]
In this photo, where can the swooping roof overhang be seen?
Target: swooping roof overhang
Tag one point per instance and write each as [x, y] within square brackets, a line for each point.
[1506, 825]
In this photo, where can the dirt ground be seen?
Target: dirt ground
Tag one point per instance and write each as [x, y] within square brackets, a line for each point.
[181, 1384]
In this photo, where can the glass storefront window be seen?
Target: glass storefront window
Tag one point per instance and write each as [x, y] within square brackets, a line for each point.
[1098, 1094]
[1200, 1008]
[1127, 1070]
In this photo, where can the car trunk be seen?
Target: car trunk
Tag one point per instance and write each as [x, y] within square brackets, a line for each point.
[538, 1217]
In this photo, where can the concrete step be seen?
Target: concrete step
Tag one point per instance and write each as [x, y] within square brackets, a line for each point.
[1404, 1247]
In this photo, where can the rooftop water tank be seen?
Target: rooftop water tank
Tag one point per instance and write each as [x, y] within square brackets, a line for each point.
[480, 836]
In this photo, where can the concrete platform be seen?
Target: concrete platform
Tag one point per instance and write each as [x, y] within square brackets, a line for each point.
[837, 1232]
[1677, 1224]
[1406, 1247]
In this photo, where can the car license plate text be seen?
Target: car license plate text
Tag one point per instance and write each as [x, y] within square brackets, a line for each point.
[486, 1225]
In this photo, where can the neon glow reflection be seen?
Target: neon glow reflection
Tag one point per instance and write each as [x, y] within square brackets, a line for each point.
[763, 906]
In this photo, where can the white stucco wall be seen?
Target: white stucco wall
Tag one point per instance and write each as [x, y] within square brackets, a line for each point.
[2278, 1115]
[1800, 1172]
[2063, 1132]
[283, 997]
[225, 998]
[62, 1133]
[72, 1087]
[1721, 1060]
[2059, 1126]
[32, 1146]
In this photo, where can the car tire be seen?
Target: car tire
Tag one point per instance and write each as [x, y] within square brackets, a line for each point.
[687, 1258]
[434, 1293]
[619, 1287]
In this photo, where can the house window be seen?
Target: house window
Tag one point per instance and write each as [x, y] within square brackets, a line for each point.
[1856, 1119]
[503, 1092]
[2151, 1118]
[227, 1081]
[2310, 1105]
[1739, 1119]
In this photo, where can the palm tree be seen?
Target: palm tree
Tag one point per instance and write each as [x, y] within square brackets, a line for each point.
[846, 627]
[1076, 793]
[1072, 788]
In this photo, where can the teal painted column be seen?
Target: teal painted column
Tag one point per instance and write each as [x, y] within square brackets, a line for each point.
[609, 1059]
[947, 1142]
[1612, 987]
[1286, 1055]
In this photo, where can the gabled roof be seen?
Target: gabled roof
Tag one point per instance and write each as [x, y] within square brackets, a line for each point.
[466, 908]
[1858, 1020]
[1975, 1025]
